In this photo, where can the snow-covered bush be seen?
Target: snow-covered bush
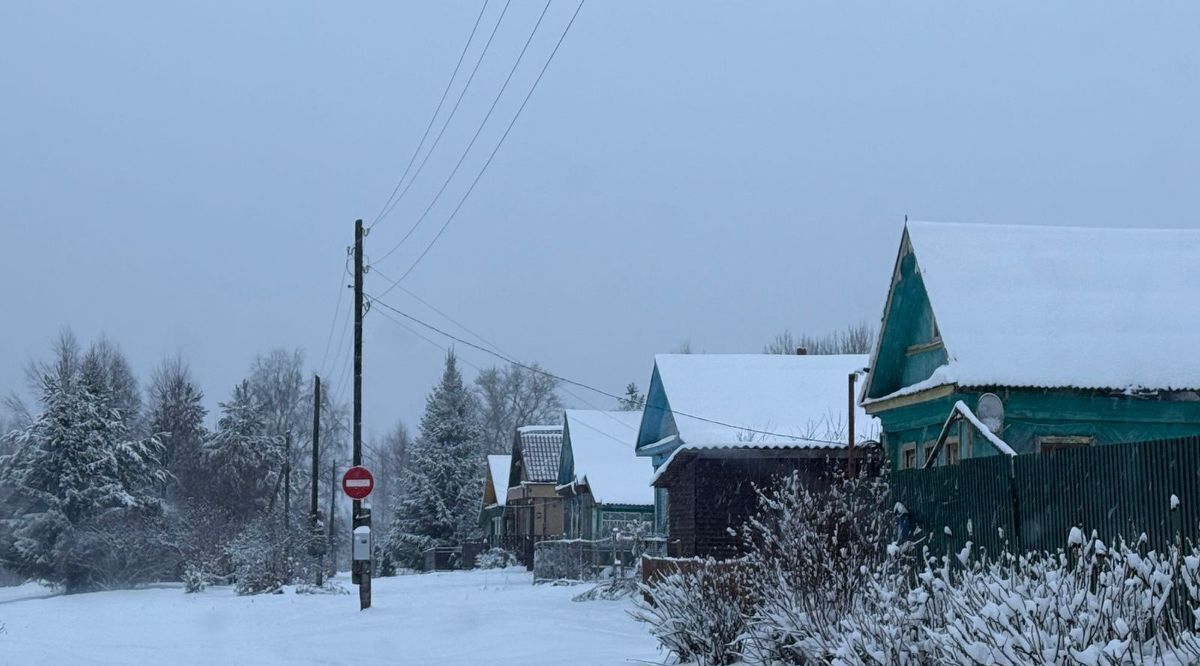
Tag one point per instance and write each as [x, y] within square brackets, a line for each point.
[808, 547]
[496, 558]
[699, 613]
[194, 579]
[327, 587]
[1090, 604]
[259, 558]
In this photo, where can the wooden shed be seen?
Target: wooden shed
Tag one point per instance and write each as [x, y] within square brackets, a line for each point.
[719, 427]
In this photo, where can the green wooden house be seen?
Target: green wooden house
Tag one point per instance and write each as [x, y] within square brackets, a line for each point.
[606, 486]
[1081, 336]
[495, 518]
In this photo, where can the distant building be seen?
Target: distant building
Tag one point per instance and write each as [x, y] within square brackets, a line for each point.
[536, 508]
[605, 486]
[495, 518]
[1083, 336]
[717, 427]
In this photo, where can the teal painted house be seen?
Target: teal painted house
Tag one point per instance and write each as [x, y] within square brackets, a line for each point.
[495, 518]
[604, 485]
[1087, 337]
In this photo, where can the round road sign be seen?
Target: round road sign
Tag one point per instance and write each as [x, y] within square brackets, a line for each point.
[357, 483]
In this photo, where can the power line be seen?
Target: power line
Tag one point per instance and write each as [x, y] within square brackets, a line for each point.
[333, 323]
[573, 382]
[493, 345]
[412, 330]
[475, 182]
[390, 205]
[478, 369]
[478, 131]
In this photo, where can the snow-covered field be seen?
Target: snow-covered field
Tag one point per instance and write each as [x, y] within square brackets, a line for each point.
[495, 618]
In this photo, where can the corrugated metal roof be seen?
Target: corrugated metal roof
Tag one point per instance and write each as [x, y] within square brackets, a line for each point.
[1056, 307]
[540, 447]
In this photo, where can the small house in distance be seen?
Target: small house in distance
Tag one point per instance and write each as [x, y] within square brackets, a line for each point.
[1070, 337]
[536, 508]
[495, 519]
[718, 427]
[605, 485]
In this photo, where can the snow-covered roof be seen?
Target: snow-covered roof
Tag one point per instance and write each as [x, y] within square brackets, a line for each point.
[602, 448]
[538, 448]
[788, 399]
[1063, 306]
[498, 467]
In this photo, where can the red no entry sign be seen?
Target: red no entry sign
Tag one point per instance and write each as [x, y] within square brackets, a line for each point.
[358, 482]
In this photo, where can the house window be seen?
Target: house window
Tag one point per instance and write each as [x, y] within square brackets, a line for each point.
[926, 449]
[1051, 443]
[952, 453]
[908, 456]
[620, 521]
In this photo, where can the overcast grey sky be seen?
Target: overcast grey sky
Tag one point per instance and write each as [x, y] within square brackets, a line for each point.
[185, 178]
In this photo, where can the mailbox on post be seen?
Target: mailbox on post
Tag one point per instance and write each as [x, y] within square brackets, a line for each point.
[362, 544]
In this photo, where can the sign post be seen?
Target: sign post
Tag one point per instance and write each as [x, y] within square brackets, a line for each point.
[357, 483]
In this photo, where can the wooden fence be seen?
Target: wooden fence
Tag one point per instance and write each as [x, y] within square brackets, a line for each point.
[1031, 502]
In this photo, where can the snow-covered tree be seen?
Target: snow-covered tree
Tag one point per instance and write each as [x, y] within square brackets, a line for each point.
[514, 396]
[633, 400]
[854, 339]
[176, 415]
[76, 470]
[105, 366]
[388, 461]
[243, 460]
[444, 477]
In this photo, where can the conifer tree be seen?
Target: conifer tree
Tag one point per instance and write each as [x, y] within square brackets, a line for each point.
[75, 466]
[176, 416]
[243, 460]
[443, 480]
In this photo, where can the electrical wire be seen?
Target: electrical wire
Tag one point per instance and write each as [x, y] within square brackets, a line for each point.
[494, 346]
[479, 131]
[387, 209]
[500, 143]
[337, 308]
[582, 385]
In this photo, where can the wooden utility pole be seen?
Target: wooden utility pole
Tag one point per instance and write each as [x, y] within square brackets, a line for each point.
[361, 517]
[316, 548]
[287, 483]
[851, 469]
[333, 491]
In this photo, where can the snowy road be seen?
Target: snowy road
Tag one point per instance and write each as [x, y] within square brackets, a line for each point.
[493, 618]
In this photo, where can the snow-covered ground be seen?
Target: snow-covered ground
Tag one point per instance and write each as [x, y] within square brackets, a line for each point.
[496, 618]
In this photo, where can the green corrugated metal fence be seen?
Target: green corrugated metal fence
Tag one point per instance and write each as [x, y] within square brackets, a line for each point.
[940, 502]
[1117, 490]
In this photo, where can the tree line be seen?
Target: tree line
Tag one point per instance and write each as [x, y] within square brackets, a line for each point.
[107, 482]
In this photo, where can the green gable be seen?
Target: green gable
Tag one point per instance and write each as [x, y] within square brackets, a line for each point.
[913, 402]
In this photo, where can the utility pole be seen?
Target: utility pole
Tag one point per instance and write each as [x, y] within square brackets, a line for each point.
[287, 483]
[316, 548]
[361, 517]
[851, 468]
[333, 490]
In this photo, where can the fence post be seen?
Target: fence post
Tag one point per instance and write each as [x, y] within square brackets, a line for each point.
[1016, 504]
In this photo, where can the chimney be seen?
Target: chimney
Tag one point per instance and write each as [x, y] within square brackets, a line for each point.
[801, 351]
